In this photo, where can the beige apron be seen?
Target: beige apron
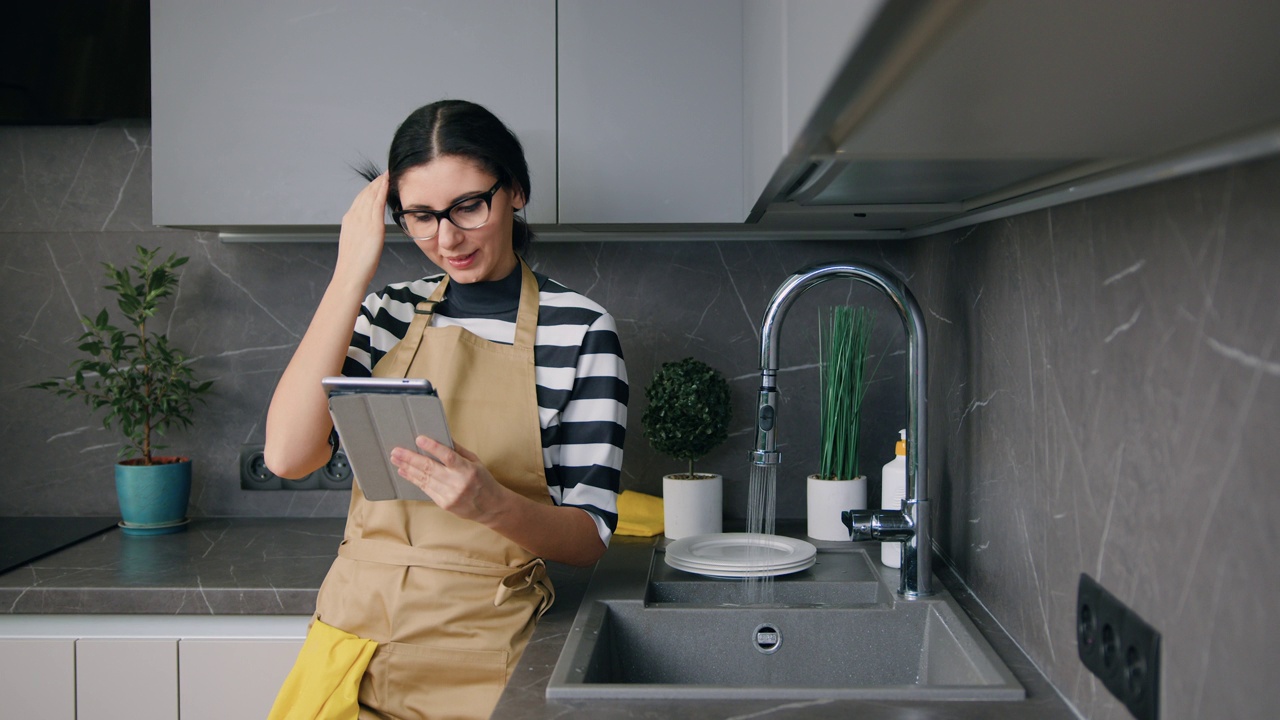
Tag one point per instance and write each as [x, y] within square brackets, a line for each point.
[450, 602]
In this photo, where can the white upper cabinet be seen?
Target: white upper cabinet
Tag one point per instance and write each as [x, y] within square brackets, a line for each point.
[260, 109]
[895, 118]
[651, 111]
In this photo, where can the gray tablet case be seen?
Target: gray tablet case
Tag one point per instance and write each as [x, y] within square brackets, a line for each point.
[374, 418]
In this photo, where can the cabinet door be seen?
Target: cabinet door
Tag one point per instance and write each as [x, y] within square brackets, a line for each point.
[650, 105]
[260, 110]
[233, 678]
[38, 678]
[126, 678]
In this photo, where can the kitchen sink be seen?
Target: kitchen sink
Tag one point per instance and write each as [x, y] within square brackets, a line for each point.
[836, 630]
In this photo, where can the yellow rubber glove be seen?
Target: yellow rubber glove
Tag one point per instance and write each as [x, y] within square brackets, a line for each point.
[325, 680]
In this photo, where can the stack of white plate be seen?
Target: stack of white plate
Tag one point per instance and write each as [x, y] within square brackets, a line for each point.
[740, 555]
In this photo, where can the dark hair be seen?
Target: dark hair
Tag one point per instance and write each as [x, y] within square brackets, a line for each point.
[462, 129]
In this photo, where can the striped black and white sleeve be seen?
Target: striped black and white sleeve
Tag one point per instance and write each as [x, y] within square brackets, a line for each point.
[582, 447]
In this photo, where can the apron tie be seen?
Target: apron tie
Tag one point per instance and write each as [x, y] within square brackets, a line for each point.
[385, 552]
[530, 576]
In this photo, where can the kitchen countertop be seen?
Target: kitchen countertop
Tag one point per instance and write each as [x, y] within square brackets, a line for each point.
[274, 566]
[218, 566]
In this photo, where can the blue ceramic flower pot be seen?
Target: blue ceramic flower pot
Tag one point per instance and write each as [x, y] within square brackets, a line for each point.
[153, 498]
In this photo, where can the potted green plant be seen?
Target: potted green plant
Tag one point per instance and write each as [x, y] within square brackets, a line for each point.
[839, 484]
[146, 386]
[687, 417]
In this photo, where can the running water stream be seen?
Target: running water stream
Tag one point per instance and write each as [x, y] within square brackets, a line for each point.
[761, 514]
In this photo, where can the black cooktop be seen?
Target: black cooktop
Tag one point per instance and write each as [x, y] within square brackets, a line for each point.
[23, 539]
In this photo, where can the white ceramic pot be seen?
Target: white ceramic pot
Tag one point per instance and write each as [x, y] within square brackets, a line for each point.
[692, 506]
[827, 499]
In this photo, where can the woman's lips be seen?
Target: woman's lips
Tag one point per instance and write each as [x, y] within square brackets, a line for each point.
[461, 261]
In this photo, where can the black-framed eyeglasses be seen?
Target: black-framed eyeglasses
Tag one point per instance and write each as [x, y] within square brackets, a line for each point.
[467, 214]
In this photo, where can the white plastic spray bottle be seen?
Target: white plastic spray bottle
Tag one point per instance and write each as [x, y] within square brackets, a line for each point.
[893, 487]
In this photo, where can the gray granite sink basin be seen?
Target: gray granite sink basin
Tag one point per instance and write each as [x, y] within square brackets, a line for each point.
[646, 631]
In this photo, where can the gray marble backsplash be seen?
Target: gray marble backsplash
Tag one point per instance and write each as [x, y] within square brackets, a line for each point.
[72, 198]
[1106, 400]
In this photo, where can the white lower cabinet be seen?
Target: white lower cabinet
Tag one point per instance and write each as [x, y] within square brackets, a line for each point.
[144, 667]
[120, 678]
[233, 678]
[38, 678]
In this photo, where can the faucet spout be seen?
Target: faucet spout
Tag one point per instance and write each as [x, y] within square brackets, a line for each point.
[912, 524]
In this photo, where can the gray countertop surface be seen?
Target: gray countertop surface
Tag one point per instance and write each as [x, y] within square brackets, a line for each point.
[217, 566]
[274, 566]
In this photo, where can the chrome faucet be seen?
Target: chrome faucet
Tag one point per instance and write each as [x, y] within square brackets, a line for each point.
[910, 525]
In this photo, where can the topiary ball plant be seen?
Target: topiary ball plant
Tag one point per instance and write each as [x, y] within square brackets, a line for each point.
[689, 410]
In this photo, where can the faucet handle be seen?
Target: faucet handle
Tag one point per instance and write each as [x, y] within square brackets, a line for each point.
[892, 525]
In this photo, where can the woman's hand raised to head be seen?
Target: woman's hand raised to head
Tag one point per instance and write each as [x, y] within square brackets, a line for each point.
[364, 231]
[298, 422]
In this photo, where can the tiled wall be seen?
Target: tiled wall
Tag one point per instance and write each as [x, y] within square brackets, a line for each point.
[1106, 400]
[71, 198]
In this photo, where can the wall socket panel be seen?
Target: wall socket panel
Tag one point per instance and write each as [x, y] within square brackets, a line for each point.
[1119, 647]
[254, 474]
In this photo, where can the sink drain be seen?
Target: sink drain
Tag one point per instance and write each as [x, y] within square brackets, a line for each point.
[767, 639]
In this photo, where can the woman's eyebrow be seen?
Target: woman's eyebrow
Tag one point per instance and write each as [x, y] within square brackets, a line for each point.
[455, 201]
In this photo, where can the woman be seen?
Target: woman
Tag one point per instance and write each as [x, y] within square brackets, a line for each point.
[534, 387]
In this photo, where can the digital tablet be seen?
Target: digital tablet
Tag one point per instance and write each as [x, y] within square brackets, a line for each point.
[373, 416]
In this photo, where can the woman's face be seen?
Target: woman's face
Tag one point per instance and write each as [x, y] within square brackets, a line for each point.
[468, 256]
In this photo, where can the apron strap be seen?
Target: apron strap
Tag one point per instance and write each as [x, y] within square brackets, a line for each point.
[397, 362]
[527, 315]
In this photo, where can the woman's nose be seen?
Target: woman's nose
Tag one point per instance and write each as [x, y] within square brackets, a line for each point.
[449, 235]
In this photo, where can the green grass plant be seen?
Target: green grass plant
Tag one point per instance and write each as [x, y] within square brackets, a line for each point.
[842, 387]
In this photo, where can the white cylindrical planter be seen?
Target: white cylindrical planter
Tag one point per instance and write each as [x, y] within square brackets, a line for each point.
[827, 499]
[692, 506]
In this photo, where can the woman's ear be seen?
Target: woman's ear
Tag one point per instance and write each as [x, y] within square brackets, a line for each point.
[517, 198]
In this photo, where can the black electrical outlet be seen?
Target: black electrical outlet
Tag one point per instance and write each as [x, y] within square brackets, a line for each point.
[254, 474]
[1119, 647]
[336, 475]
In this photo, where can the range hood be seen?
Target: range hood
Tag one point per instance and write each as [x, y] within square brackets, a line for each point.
[952, 112]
